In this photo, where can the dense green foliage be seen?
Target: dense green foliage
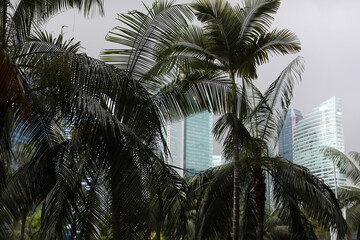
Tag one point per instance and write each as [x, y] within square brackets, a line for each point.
[82, 148]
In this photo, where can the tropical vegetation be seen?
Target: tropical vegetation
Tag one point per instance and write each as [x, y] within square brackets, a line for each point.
[82, 141]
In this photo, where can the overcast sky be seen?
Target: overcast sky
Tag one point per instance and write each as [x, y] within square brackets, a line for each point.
[329, 31]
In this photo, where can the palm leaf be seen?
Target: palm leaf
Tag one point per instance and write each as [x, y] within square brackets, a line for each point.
[144, 31]
[302, 187]
[345, 164]
[255, 18]
[275, 100]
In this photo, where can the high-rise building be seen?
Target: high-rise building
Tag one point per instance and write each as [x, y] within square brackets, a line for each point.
[321, 127]
[286, 138]
[191, 143]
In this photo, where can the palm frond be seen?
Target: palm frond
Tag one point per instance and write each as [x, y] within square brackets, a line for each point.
[249, 220]
[161, 24]
[345, 164]
[195, 93]
[223, 132]
[300, 185]
[220, 26]
[28, 15]
[276, 227]
[275, 100]
[276, 42]
[255, 18]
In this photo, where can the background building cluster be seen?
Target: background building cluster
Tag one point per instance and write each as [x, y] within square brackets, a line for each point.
[300, 141]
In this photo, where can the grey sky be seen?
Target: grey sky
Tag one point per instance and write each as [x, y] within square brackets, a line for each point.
[329, 31]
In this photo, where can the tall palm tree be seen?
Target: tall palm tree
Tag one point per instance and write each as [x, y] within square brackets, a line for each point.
[19, 20]
[267, 114]
[82, 88]
[233, 41]
[349, 196]
[116, 130]
[18, 55]
[171, 87]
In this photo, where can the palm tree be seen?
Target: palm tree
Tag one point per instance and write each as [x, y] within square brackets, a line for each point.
[256, 154]
[18, 21]
[83, 95]
[171, 88]
[349, 196]
[295, 189]
[82, 90]
[104, 108]
[18, 54]
[233, 41]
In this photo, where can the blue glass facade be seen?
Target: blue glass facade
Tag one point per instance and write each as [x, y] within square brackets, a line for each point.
[191, 143]
[286, 138]
[198, 142]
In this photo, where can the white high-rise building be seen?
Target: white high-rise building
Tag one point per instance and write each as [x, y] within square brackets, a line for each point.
[321, 127]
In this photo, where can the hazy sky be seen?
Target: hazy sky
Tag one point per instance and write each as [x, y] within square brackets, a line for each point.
[329, 31]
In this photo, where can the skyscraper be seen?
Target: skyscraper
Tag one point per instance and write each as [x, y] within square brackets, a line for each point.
[286, 139]
[321, 127]
[191, 143]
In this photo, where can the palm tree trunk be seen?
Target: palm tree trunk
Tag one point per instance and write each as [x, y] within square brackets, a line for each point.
[23, 222]
[236, 197]
[358, 233]
[259, 187]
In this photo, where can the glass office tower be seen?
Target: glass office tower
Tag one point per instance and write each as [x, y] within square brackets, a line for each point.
[191, 143]
[321, 127]
[286, 138]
